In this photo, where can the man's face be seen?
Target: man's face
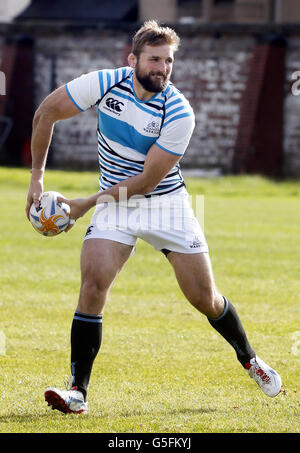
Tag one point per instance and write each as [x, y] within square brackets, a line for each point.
[154, 67]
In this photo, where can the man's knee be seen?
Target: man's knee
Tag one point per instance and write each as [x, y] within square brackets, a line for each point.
[93, 289]
[93, 295]
[96, 278]
[208, 302]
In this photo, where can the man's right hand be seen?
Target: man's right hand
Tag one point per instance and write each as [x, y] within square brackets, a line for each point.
[35, 191]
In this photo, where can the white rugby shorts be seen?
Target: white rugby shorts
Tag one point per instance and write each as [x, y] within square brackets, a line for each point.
[167, 222]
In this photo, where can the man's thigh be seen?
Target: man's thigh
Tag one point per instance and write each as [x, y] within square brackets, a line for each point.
[102, 260]
[193, 272]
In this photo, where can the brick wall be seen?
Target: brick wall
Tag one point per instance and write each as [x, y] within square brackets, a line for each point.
[212, 74]
[61, 58]
[291, 125]
[210, 69]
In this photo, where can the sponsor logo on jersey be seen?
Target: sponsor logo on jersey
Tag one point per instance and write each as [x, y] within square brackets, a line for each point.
[152, 127]
[113, 105]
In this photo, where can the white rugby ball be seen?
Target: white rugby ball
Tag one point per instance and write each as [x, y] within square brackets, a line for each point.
[51, 217]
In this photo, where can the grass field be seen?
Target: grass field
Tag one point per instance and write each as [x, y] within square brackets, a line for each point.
[161, 368]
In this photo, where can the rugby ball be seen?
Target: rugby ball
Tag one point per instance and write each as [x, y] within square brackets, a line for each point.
[51, 217]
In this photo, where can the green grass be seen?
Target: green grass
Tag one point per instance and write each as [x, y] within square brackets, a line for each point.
[161, 368]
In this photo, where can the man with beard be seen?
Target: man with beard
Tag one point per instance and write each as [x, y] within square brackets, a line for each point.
[145, 125]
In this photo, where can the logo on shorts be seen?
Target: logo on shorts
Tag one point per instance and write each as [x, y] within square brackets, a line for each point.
[89, 230]
[152, 127]
[196, 243]
[113, 105]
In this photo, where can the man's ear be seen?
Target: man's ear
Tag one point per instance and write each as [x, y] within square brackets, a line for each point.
[132, 60]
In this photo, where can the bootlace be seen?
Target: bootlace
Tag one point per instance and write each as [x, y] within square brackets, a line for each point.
[257, 371]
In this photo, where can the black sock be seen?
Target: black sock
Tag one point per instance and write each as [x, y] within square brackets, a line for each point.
[86, 335]
[230, 327]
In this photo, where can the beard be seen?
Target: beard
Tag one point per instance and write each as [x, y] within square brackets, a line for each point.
[151, 83]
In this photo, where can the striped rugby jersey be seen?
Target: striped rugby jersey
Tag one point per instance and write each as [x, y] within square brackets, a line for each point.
[127, 127]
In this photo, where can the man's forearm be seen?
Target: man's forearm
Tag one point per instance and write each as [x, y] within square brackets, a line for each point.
[40, 141]
[135, 185]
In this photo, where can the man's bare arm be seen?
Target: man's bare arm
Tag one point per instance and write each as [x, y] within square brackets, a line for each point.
[57, 106]
[157, 165]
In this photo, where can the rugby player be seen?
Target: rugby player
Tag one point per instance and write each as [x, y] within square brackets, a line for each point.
[144, 127]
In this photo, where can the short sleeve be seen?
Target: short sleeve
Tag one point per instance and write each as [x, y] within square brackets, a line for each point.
[176, 133]
[85, 90]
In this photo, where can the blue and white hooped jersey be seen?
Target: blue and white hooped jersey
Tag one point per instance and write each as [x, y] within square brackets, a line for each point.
[127, 127]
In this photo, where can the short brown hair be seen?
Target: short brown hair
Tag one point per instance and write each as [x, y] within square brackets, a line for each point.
[152, 34]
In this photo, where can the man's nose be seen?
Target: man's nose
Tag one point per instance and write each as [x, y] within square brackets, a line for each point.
[162, 67]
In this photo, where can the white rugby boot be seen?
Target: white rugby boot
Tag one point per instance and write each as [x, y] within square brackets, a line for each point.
[66, 401]
[268, 379]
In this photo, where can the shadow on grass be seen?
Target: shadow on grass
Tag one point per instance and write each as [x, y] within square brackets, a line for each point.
[29, 417]
[139, 413]
[23, 418]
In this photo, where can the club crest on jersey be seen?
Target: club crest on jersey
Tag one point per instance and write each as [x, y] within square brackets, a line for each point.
[113, 105]
[152, 127]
